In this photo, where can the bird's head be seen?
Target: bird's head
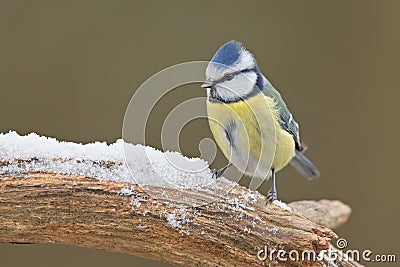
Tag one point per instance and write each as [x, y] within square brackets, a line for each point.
[232, 74]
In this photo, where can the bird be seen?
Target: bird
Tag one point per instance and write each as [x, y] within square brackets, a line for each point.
[250, 121]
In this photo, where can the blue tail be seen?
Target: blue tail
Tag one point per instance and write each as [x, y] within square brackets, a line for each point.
[304, 166]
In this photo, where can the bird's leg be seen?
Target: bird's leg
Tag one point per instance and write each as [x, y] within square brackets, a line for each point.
[218, 173]
[272, 195]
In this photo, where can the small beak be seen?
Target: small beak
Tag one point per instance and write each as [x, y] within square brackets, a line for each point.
[208, 84]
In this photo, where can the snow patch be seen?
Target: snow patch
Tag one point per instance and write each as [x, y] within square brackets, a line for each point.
[135, 202]
[126, 192]
[171, 219]
[282, 205]
[119, 161]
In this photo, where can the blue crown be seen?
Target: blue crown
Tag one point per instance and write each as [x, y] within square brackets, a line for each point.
[228, 53]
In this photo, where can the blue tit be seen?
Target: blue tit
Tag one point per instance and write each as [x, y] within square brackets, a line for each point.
[249, 119]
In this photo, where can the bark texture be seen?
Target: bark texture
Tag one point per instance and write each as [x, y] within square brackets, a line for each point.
[119, 217]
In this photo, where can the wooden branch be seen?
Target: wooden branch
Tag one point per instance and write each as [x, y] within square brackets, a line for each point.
[101, 214]
[329, 213]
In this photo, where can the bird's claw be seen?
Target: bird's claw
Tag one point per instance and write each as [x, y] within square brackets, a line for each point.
[271, 196]
[216, 173]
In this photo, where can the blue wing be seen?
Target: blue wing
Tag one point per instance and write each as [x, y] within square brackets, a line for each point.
[300, 162]
[285, 119]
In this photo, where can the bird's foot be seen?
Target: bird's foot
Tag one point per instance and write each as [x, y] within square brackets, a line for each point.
[271, 196]
[216, 173]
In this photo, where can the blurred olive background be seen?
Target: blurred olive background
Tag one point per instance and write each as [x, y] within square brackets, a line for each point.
[68, 70]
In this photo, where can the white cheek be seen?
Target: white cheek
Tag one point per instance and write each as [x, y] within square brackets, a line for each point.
[240, 86]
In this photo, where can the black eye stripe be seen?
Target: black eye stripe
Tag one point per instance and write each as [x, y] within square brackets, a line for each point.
[229, 76]
[247, 70]
[223, 79]
[242, 71]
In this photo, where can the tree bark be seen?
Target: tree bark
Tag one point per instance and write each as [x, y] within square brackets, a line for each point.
[229, 231]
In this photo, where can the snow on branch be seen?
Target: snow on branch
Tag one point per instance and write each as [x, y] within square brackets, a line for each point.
[85, 195]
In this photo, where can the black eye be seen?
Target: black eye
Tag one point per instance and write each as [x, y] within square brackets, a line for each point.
[228, 76]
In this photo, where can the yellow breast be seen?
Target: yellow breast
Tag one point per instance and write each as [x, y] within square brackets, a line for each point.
[257, 142]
